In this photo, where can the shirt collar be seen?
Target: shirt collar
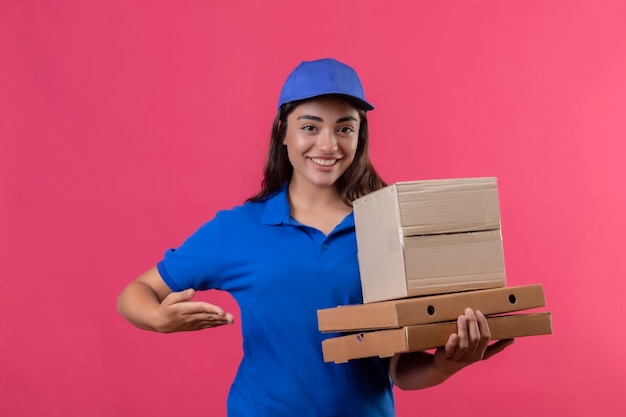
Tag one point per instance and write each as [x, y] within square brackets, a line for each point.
[278, 211]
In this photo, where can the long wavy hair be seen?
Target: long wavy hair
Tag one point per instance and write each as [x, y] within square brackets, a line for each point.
[359, 179]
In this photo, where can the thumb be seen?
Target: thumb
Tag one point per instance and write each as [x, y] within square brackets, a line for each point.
[180, 296]
[451, 345]
[497, 347]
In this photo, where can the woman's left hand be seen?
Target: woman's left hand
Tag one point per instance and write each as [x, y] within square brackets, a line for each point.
[470, 344]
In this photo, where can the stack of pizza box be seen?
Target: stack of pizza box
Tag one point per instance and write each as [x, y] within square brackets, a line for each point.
[427, 250]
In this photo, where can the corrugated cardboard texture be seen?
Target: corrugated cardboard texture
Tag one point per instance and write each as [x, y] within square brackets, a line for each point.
[448, 206]
[386, 343]
[432, 309]
[453, 262]
[400, 226]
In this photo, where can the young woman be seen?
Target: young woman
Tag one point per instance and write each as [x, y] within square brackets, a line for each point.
[289, 251]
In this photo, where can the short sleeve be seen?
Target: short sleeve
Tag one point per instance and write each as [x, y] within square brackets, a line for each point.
[193, 264]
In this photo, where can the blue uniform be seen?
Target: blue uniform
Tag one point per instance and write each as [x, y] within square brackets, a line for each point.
[281, 272]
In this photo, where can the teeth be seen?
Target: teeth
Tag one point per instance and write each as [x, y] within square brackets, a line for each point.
[324, 162]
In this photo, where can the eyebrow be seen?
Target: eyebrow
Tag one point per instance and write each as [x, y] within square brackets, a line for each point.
[319, 119]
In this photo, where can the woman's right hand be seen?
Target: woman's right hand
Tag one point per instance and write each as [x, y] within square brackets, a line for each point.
[179, 313]
[148, 303]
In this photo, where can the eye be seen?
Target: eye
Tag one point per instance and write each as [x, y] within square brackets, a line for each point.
[308, 128]
[346, 129]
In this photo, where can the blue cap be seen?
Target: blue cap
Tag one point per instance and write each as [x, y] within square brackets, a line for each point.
[324, 76]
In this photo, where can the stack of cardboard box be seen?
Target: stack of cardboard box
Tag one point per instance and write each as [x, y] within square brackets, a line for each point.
[426, 251]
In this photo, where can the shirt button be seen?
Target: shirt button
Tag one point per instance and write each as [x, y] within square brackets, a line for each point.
[324, 245]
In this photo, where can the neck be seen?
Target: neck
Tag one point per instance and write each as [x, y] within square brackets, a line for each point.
[322, 208]
[312, 196]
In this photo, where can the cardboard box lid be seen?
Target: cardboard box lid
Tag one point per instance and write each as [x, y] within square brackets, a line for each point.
[386, 343]
[449, 206]
[432, 206]
[430, 309]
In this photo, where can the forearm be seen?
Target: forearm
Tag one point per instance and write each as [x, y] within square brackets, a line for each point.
[138, 303]
[417, 370]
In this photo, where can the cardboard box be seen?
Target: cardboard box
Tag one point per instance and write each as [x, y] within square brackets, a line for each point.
[429, 237]
[386, 343]
[431, 309]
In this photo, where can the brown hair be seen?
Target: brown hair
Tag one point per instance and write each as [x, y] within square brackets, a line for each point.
[359, 179]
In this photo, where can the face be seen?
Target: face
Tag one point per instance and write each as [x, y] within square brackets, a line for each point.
[321, 138]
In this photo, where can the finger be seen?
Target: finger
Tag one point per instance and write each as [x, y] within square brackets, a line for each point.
[227, 318]
[497, 347]
[451, 345]
[206, 320]
[462, 337]
[201, 307]
[485, 332]
[183, 301]
[212, 318]
[220, 315]
[473, 331]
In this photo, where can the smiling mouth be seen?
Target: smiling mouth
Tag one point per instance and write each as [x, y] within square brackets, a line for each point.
[324, 162]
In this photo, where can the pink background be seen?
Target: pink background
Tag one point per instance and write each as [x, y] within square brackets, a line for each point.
[124, 125]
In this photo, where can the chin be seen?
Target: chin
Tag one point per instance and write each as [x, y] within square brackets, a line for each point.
[325, 183]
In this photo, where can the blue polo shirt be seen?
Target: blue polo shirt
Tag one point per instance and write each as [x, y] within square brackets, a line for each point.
[281, 272]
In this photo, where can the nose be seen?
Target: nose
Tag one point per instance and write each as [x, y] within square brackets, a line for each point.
[327, 142]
